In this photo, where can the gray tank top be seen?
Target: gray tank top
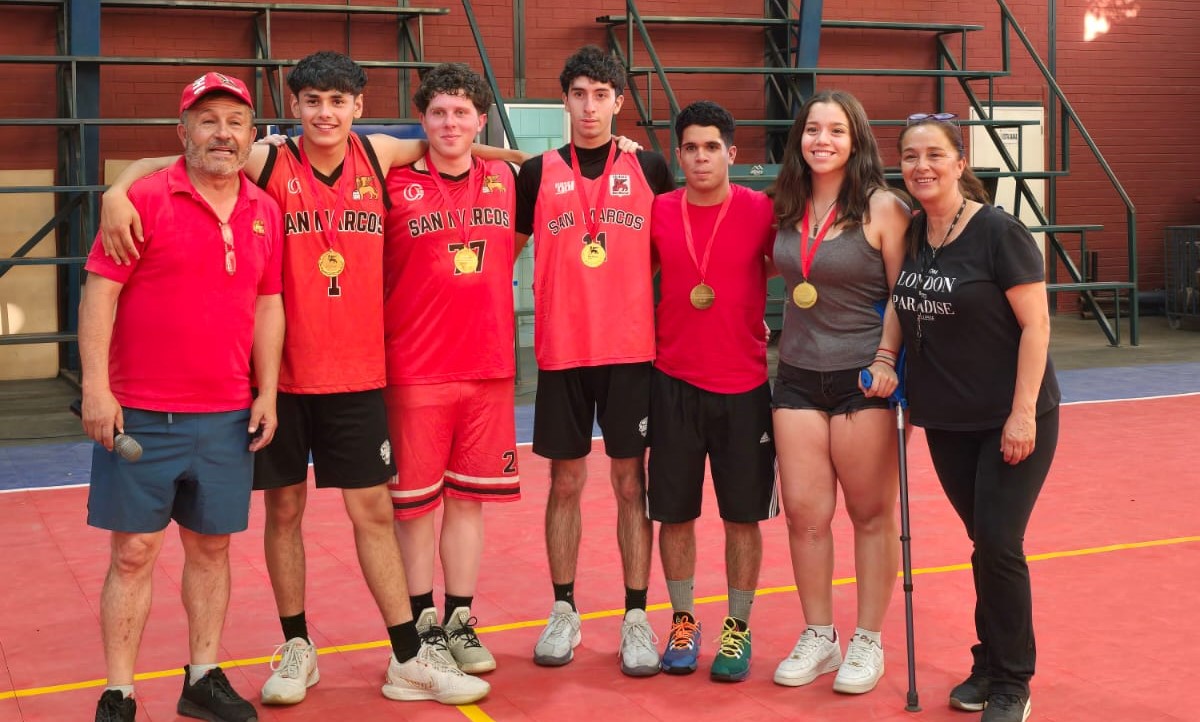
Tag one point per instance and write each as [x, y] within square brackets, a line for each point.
[843, 329]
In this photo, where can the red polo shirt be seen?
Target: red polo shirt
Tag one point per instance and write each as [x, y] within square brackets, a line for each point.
[184, 325]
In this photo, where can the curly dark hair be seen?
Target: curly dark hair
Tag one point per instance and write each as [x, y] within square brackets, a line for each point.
[598, 66]
[706, 113]
[327, 70]
[864, 169]
[453, 79]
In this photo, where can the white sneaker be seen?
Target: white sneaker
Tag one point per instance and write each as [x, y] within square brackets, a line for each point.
[639, 645]
[559, 639]
[812, 656]
[469, 653]
[432, 634]
[863, 666]
[427, 677]
[295, 672]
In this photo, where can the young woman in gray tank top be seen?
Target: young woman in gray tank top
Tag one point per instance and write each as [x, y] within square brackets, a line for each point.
[840, 247]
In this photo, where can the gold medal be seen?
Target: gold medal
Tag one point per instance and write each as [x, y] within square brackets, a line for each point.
[804, 295]
[593, 255]
[331, 264]
[702, 296]
[466, 260]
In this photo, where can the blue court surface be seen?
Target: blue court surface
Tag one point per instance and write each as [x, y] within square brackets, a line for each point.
[49, 465]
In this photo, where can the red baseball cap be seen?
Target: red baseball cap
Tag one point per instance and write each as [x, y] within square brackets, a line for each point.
[213, 83]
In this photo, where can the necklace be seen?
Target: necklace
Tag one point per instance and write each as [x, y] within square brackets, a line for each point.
[933, 251]
[818, 221]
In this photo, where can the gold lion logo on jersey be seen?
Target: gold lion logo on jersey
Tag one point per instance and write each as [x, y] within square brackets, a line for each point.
[492, 184]
[364, 188]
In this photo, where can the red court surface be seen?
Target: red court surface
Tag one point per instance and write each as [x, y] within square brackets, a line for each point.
[1114, 543]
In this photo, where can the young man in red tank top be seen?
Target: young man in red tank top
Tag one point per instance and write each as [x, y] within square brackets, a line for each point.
[330, 186]
[448, 320]
[588, 207]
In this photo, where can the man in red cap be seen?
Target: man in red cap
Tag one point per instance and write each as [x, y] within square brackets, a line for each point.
[170, 365]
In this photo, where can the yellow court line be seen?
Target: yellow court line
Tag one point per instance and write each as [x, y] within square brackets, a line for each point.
[476, 714]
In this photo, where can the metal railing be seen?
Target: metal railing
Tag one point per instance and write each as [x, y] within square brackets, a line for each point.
[781, 75]
[75, 219]
[1080, 281]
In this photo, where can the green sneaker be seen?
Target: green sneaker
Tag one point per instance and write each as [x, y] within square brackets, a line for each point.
[732, 663]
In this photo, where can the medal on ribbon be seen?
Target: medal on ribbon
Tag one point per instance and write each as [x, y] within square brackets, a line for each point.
[805, 293]
[702, 295]
[330, 263]
[466, 258]
[594, 253]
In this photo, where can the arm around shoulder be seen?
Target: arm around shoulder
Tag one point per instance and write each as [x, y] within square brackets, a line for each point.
[120, 224]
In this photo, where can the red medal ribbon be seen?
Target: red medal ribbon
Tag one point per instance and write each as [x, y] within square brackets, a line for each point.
[591, 221]
[807, 254]
[702, 265]
[474, 187]
[331, 228]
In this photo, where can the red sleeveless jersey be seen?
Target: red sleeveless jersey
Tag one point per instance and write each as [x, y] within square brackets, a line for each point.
[334, 337]
[448, 300]
[597, 310]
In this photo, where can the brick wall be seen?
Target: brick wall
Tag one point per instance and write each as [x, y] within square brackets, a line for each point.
[1132, 85]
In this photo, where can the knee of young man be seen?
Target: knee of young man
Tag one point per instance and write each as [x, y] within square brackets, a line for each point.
[370, 507]
[285, 505]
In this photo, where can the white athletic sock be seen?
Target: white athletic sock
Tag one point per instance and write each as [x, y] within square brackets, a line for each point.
[196, 672]
[873, 636]
[126, 690]
[682, 595]
[826, 631]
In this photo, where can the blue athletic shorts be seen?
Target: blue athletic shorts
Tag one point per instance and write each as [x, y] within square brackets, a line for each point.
[195, 469]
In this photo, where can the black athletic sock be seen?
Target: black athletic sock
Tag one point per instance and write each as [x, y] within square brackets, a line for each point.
[405, 641]
[565, 593]
[295, 626]
[420, 602]
[452, 603]
[635, 599]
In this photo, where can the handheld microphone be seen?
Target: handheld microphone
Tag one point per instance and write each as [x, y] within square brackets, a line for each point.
[125, 445]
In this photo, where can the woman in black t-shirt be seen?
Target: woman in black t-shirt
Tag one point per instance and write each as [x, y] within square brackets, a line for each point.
[971, 300]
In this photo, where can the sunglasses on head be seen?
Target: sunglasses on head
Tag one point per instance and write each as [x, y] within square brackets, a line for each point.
[918, 117]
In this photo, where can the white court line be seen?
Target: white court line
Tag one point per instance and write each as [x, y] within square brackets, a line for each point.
[1131, 398]
[599, 438]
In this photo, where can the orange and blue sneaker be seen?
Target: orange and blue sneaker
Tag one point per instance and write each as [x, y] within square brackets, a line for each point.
[732, 663]
[683, 646]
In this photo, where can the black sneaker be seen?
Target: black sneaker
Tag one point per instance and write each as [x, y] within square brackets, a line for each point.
[972, 694]
[1003, 707]
[115, 707]
[213, 699]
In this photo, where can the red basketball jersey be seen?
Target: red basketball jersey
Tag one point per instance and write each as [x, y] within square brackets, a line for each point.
[598, 308]
[448, 300]
[334, 338]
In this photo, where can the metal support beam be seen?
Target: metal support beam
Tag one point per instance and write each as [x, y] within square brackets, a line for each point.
[81, 95]
[519, 77]
[809, 49]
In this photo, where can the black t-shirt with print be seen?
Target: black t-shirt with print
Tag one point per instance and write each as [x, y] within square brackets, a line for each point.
[962, 369]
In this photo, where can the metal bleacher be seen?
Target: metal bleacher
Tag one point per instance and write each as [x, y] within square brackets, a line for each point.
[791, 37]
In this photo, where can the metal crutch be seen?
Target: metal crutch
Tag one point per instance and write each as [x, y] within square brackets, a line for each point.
[898, 402]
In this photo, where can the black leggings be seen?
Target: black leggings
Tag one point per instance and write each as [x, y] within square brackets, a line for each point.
[994, 500]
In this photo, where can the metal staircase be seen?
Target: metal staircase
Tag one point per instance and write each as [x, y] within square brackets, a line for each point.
[791, 38]
[78, 61]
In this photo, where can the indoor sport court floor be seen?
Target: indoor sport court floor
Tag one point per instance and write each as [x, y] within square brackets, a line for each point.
[1114, 548]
